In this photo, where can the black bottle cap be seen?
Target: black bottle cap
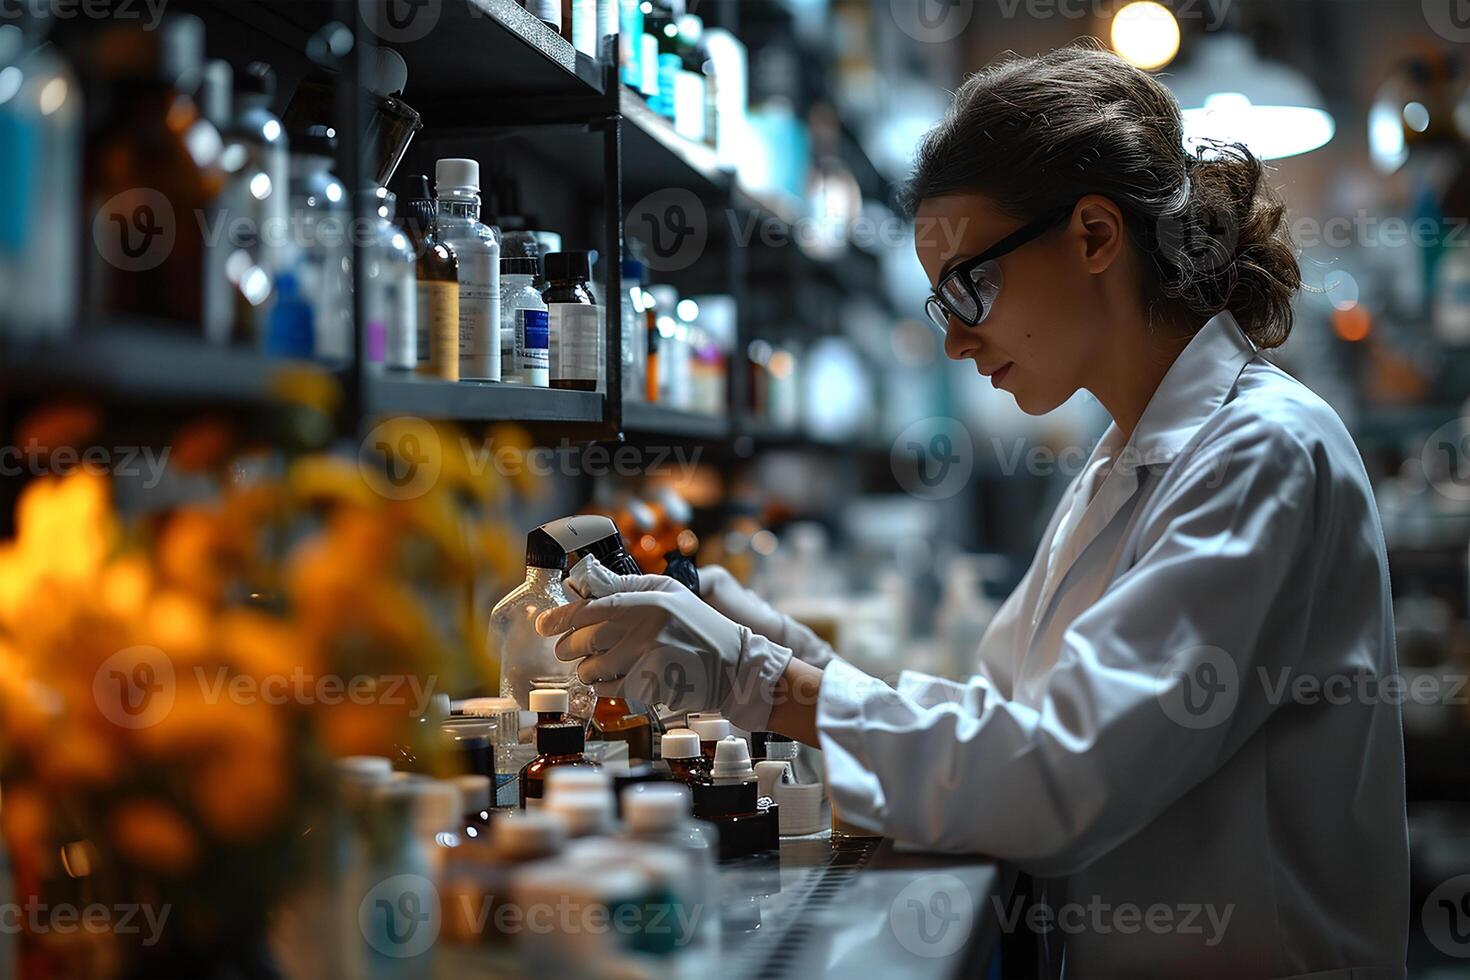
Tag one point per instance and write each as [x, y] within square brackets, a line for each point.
[561, 738]
[568, 265]
[258, 78]
[520, 265]
[543, 551]
[713, 800]
[591, 534]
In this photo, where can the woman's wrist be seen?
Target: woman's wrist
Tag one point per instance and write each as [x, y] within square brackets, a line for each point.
[794, 702]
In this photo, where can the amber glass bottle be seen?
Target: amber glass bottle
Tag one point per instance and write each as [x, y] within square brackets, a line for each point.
[438, 290]
[614, 720]
[557, 744]
[152, 170]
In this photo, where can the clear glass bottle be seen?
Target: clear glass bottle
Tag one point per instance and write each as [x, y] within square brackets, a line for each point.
[40, 183]
[437, 290]
[523, 324]
[228, 317]
[526, 655]
[149, 152]
[264, 138]
[634, 338]
[477, 247]
[575, 322]
[390, 335]
[323, 254]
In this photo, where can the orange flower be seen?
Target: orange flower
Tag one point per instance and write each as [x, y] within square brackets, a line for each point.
[192, 553]
[241, 794]
[155, 836]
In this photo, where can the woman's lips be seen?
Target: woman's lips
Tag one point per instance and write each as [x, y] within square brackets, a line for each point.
[997, 375]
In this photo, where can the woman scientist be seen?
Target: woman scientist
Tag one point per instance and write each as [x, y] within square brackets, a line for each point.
[1178, 704]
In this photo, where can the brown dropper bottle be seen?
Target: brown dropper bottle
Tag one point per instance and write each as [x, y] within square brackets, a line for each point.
[438, 288]
[152, 169]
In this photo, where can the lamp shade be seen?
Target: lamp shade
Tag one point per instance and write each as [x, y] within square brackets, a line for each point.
[1229, 93]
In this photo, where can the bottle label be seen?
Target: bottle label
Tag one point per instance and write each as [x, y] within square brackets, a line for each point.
[575, 341]
[438, 323]
[669, 67]
[479, 315]
[20, 176]
[402, 303]
[689, 105]
[648, 68]
[531, 360]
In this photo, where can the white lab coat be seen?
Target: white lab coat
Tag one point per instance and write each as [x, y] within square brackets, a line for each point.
[1125, 739]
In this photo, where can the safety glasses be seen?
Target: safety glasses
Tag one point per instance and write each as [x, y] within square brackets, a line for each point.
[967, 291]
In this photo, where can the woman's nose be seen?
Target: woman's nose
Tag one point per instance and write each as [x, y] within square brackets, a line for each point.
[957, 340]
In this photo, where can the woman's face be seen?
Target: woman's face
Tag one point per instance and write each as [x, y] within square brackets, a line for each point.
[1041, 333]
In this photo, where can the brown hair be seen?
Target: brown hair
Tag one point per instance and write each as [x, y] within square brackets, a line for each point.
[1033, 134]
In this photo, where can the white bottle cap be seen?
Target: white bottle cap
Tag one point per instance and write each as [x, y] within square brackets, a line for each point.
[652, 807]
[487, 707]
[711, 729]
[679, 743]
[436, 802]
[439, 708]
[732, 760]
[475, 792]
[364, 768]
[694, 716]
[584, 812]
[550, 699]
[575, 779]
[457, 173]
[527, 833]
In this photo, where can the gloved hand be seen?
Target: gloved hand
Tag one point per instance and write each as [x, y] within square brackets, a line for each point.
[649, 638]
[721, 589]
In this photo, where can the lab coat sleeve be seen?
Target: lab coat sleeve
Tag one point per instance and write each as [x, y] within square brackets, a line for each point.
[1106, 748]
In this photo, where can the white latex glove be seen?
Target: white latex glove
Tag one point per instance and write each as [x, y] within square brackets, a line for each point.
[723, 591]
[649, 638]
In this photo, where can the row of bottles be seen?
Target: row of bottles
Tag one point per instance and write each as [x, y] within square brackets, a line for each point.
[674, 351]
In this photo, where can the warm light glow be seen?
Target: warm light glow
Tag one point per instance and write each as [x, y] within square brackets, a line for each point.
[1352, 324]
[1146, 34]
[780, 364]
[53, 96]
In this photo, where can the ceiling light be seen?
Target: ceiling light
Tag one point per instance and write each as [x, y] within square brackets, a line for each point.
[1146, 34]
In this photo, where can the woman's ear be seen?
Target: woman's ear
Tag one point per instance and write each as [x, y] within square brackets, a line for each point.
[1103, 232]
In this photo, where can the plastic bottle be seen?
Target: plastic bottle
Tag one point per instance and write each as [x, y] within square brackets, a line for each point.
[476, 796]
[264, 138]
[390, 336]
[149, 148]
[323, 254]
[477, 880]
[660, 814]
[497, 719]
[396, 851]
[630, 37]
[477, 247]
[289, 329]
[575, 322]
[524, 328]
[587, 813]
[40, 183]
[634, 339]
[437, 290]
[690, 88]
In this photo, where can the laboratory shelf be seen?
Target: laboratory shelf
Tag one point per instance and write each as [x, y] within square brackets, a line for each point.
[478, 401]
[656, 157]
[136, 362]
[644, 419]
[494, 48]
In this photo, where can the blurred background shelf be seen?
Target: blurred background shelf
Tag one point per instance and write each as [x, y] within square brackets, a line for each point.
[659, 420]
[135, 362]
[478, 401]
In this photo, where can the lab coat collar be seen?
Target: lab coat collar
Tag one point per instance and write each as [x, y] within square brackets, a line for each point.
[1192, 390]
